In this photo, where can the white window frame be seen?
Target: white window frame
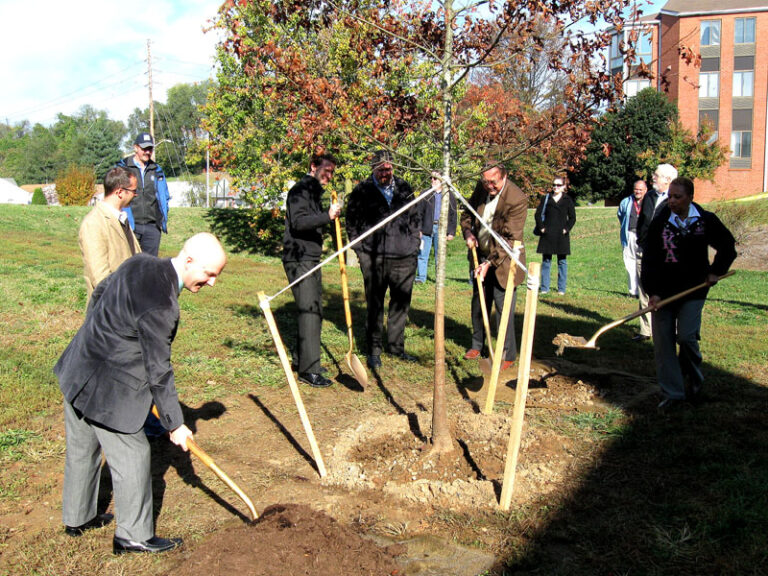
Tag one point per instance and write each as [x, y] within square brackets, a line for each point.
[709, 84]
[743, 83]
[710, 25]
[737, 143]
[744, 30]
[632, 87]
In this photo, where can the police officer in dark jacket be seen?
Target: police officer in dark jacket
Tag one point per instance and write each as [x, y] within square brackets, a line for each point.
[388, 256]
[305, 222]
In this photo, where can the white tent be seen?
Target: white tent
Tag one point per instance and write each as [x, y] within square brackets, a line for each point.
[12, 194]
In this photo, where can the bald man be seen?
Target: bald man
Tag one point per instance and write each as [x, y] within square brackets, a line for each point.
[116, 367]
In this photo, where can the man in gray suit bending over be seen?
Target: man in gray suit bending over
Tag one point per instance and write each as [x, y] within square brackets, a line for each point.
[115, 368]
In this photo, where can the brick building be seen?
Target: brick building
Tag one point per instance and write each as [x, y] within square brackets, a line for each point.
[729, 88]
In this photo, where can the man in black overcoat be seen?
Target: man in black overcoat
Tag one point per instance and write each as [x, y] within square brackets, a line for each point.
[305, 222]
[388, 256]
[116, 367]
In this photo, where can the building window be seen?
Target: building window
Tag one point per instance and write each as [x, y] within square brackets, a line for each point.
[708, 119]
[617, 58]
[741, 144]
[742, 83]
[643, 49]
[710, 32]
[709, 85]
[744, 31]
[632, 87]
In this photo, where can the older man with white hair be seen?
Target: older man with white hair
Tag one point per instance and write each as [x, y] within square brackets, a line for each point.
[653, 202]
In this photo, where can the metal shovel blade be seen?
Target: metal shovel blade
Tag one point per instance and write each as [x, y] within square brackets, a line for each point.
[357, 368]
[563, 341]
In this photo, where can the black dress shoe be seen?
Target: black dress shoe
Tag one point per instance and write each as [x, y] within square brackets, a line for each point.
[640, 338]
[153, 545]
[315, 380]
[321, 370]
[98, 522]
[374, 361]
[405, 357]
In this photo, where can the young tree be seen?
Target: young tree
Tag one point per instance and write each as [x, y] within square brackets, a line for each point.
[358, 74]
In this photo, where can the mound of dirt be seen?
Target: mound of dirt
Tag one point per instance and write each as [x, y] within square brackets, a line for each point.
[290, 539]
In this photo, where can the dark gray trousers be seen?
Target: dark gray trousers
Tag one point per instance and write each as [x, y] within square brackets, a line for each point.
[148, 236]
[128, 456]
[308, 296]
[379, 275]
[494, 293]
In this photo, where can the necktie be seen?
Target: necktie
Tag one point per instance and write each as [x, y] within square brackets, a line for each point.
[128, 236]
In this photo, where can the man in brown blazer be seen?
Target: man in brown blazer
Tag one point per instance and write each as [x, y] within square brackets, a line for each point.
[504, 206]
[106, 239]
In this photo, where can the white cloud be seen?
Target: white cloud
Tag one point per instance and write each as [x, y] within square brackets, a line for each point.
[59, 56]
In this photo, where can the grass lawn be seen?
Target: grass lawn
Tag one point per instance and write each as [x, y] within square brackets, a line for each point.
[681, 495]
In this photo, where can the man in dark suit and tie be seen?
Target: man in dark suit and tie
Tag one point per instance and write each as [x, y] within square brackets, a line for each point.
[115, 368]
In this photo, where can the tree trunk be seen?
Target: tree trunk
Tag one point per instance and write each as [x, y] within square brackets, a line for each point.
[441, 434]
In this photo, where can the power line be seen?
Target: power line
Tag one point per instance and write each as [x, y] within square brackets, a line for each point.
[94, 87]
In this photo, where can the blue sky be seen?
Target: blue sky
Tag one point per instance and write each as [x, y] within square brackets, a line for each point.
[59, 55]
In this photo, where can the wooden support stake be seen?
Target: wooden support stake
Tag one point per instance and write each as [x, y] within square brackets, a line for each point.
[501, 337]
[521, 391]
[264, 303]
[483, 307]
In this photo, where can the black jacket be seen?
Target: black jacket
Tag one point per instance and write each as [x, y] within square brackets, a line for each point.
[648, 212]
[558, 216]
[305, 221]
[428, 215]
[367, 207]
[674, 260]
[119, 362]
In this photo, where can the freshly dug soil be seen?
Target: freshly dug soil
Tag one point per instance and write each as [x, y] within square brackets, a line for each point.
[290, 540]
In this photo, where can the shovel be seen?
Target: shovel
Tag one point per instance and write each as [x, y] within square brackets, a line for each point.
[208, 461]
[483, 307]
[353, 361]
[563, 341]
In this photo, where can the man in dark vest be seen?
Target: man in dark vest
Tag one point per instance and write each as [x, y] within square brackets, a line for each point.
[148, 214]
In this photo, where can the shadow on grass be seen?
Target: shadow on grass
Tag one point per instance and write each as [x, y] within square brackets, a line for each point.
[166, 455]
[682, 493]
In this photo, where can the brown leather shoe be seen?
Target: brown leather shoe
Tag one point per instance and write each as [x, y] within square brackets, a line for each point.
[472, 354]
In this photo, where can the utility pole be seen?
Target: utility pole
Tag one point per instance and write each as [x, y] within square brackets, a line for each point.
[207, 175]
[151, 100]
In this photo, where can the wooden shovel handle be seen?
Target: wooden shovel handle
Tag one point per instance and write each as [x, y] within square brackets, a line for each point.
[483, 307]
[674, 297]
[208, 461]
[591, 342]
[343, 270]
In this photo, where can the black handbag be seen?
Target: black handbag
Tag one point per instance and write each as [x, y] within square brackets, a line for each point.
[536, 231]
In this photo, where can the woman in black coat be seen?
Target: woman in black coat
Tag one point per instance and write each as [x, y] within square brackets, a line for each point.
[555, 217]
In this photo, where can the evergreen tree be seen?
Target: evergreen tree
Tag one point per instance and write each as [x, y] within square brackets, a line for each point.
[612, 162]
